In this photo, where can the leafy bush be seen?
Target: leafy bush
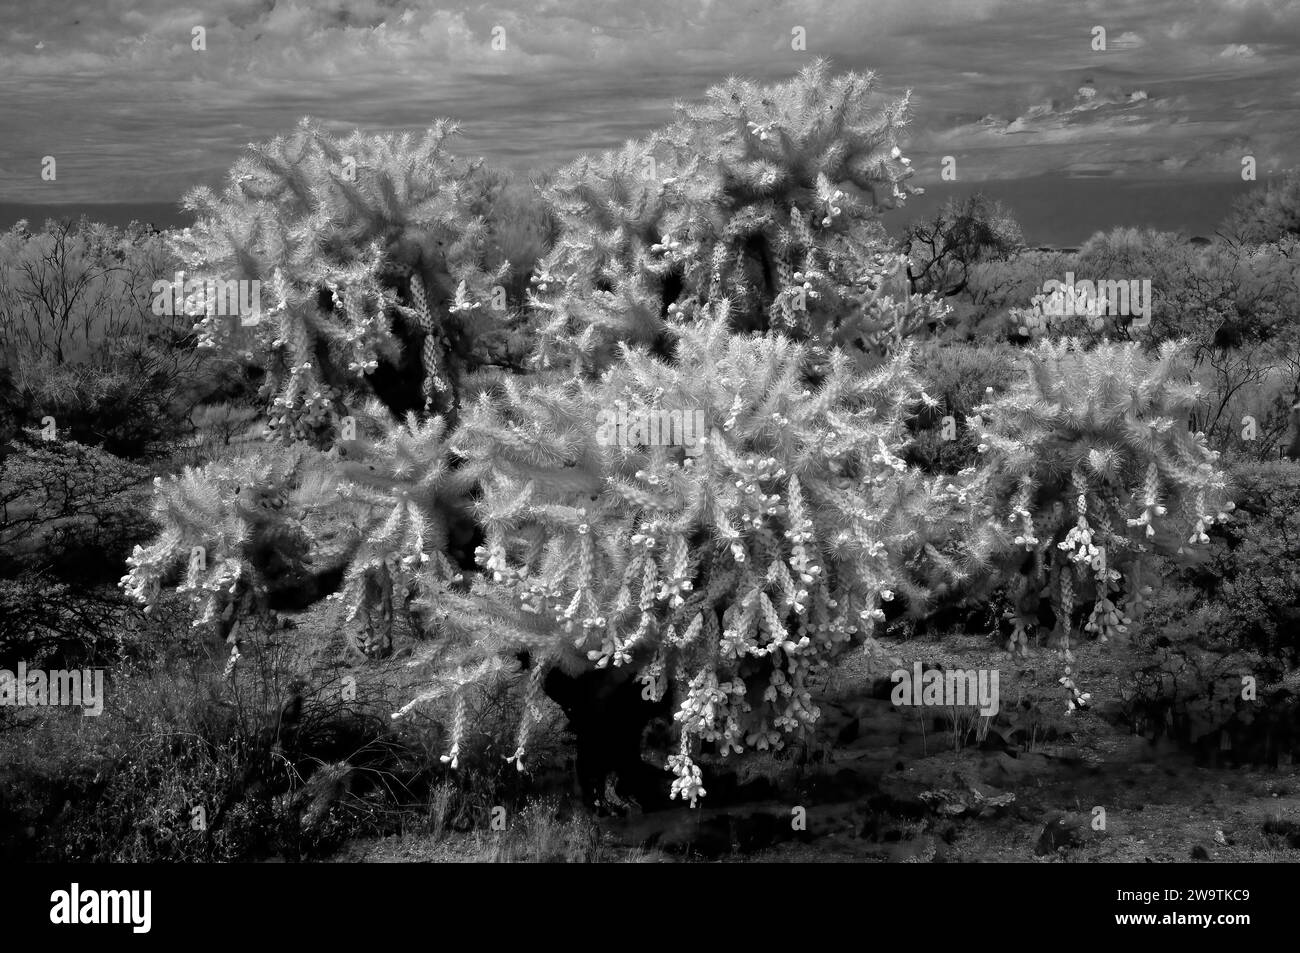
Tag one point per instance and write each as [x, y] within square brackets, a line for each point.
[959, 378]
[68, 510]
[80, 341]
[521, 225]
[1267, 214]
[192, 766]
[71, 287]
[1245, 595]
[44, 622]
[1231, 303]
[222, 429]
[69, 515]
[994, 287]
[964, 233]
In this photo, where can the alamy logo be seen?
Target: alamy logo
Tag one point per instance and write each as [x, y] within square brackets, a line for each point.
[36, 688]
[651, 427]
[935, 687]
[212, 297]
[1092, 299]
[77, 906]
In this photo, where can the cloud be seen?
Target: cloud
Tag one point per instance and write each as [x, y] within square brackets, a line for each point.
[119, 95]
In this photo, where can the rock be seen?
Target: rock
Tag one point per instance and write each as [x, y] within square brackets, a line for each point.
[945, 803]
[992, 802]
[1200, 853]
[1062, 830]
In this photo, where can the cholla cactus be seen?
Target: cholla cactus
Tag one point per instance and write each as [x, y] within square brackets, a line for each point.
[235, 530]
[764, 195]
[365, 247]
[403, 486]
[1065, 312]
[736, 522]
[1094, 444]
[271, 528]
[723, 522]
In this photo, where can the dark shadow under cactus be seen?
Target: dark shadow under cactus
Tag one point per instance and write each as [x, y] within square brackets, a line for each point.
[608, 716]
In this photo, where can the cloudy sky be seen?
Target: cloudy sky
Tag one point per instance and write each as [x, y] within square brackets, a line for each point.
[114, 90]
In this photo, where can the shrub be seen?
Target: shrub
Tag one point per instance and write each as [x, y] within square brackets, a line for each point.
[959, 378]
[996, 286]
[72, 287]
[1245, 595]
[44, 622]
[69, 511]
[1267, 214]
[221, 430]
[966, 232]
[187, 765]
[1233, 305]
[81, 344]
